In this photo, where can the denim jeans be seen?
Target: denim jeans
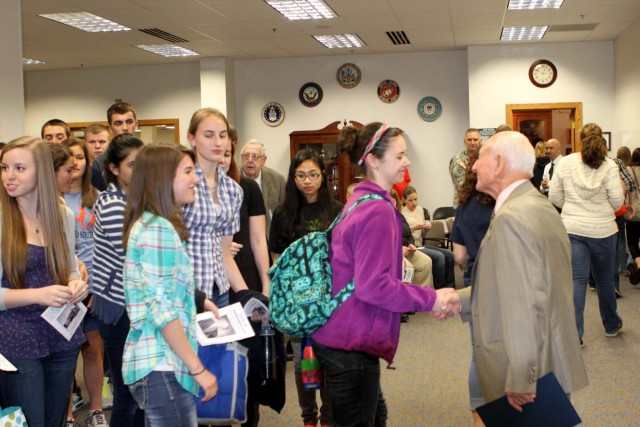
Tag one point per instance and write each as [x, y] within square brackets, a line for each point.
[164, 401]
[442, 264]
[307, 399]
[597, 255]
[354, 382]
[125, 411]
[41, 387]
[621, 249]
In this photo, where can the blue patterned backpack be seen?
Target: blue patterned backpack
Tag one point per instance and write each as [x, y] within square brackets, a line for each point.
[300, 300]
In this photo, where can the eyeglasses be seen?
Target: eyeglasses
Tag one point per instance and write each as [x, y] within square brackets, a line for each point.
[252, 156]
[301, 176]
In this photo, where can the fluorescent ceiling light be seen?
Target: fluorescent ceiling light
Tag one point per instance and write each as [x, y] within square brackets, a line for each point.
[28, 61]
[340, 41]
[167, 50]
[524, 33]
[534, 4]
[86, 21]
[302, 9]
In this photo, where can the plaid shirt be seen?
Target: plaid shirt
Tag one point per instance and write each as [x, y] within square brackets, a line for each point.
[207, 223]
[625, 175]
[158, 288]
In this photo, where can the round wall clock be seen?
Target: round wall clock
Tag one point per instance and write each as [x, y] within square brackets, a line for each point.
[273, 114]
[388, 91]
[310, 94]
[429, 109]
[543, 73]
[348, 75]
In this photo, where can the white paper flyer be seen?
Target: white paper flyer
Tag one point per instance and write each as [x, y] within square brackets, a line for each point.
[232, 325]
[65, 319]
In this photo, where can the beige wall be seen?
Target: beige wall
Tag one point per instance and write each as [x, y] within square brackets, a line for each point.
[627, 88]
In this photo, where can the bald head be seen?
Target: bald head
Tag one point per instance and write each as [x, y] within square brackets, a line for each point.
[505, 158]
[552, 148]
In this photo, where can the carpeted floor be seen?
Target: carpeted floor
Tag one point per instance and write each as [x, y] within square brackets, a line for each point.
[429, 385]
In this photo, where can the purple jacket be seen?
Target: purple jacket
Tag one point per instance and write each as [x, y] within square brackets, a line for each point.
[367, 245]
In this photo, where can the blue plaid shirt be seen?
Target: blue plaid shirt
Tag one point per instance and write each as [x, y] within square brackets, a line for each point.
[207, 224]
[158, 288]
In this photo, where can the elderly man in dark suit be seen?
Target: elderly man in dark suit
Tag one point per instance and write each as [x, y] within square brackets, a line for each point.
[521, 298]
[271, 183]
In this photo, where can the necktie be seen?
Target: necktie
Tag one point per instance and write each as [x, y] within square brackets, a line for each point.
[551, 171]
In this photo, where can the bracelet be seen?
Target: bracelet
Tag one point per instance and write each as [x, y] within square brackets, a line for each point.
[198, 373]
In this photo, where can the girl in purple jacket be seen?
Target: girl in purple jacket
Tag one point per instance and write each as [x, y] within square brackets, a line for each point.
[366, 327]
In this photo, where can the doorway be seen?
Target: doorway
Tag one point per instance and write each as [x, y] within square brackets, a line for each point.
[560, 120]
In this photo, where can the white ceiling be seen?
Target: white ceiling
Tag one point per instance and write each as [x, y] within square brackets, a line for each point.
[251, 29]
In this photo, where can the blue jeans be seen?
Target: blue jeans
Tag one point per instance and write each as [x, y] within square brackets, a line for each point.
[164, 401]
[125, 412]
[621, 249]
[220, 300]
[597, 255]
[41, 387]
[353, 379]
[442, 264]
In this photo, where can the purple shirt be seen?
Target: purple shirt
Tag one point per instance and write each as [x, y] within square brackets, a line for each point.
[367, 245]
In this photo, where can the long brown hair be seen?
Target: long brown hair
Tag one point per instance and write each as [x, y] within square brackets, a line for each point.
[468, 188]
[233, 173]
[152, 187]
[594, 150]
[89, 194]
[52, 213]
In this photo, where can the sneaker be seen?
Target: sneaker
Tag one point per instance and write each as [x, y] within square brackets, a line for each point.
[613, 333]
[107, 394]
[96, 419]
[592, 288]
[71, 423]
[618, 294]
[77, 401]
[581, 344]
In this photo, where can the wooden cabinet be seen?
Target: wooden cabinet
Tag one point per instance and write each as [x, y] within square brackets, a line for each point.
[339, 172]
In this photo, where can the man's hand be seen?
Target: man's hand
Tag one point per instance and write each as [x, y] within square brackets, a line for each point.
[517, 400]
[447, 304]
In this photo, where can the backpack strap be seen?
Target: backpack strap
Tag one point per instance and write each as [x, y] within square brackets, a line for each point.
[344, 214]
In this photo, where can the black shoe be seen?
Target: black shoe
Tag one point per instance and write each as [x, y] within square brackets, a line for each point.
[618, 294]
[634, 275]
[404, 318]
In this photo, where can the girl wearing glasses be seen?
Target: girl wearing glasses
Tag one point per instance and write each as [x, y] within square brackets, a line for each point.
[308, 206]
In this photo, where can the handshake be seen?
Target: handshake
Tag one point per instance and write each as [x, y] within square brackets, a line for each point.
[447, 304]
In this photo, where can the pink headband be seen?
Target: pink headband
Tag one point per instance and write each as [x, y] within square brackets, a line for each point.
[372, 142]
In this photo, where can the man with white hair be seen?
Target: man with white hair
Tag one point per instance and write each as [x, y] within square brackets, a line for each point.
[271, 183]
[521, 298]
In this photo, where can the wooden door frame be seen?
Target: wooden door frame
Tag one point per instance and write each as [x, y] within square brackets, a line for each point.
[79, 126]
[575, 107]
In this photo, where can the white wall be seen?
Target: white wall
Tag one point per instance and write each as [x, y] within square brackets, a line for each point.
[432, 144]
[499, 75]
[627, 90]
[83, 95]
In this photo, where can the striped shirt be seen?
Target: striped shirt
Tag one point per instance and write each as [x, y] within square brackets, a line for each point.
[207, 223]
[159, 288]
[108, 255]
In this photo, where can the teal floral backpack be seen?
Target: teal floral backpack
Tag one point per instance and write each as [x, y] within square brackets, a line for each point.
[300, 301]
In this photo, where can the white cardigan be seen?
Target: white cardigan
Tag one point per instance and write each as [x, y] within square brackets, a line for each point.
[588, 197]
[70, 231]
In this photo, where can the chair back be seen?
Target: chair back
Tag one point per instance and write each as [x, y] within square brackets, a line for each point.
[444, 212]
[449, 224]
[436, 235]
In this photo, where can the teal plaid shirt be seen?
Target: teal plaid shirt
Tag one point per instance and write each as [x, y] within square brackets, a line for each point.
[158, 288]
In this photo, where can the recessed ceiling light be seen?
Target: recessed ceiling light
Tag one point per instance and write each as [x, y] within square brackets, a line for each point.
[534, 4]
[340, 41]
[302, 9]
[28, 61]
[167, 50]
[86, 21]
[524, 33]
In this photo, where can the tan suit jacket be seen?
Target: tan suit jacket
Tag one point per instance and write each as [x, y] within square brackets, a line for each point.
[521, 300]
[273, 189]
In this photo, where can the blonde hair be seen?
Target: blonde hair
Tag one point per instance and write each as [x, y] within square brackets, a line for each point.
[52, 213]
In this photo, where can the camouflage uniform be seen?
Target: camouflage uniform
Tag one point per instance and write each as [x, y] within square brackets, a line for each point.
[457, 171]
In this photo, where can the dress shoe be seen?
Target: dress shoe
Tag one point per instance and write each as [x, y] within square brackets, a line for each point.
[634, 275]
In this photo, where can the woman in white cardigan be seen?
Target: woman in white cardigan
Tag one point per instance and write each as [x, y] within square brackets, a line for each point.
[587, 187]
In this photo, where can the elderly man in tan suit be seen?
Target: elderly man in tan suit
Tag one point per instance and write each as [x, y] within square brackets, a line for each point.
[521, 298]
[272, 184]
